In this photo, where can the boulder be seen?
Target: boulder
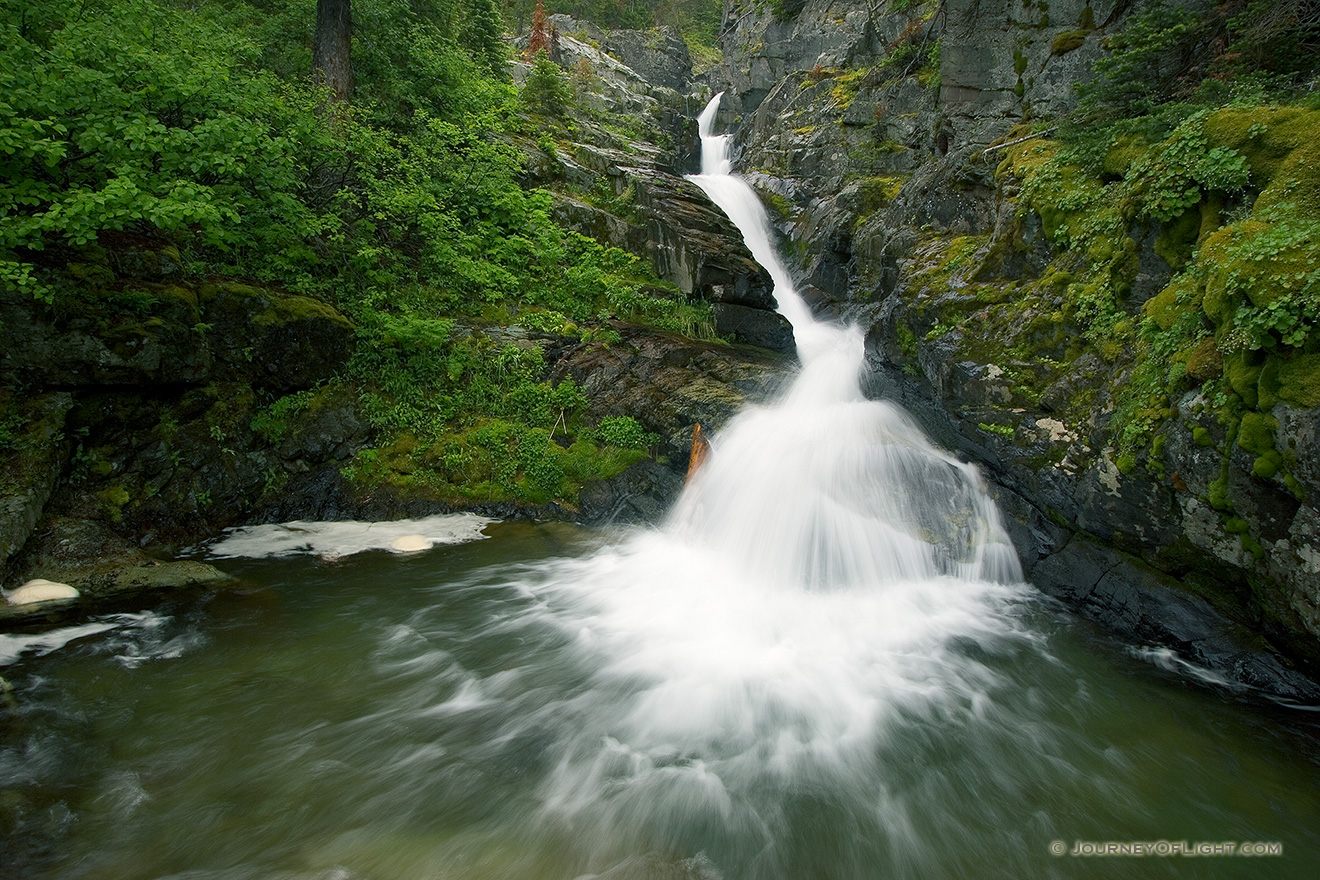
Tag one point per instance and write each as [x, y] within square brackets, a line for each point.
[755, 327]
[274, 339]
[40, 590]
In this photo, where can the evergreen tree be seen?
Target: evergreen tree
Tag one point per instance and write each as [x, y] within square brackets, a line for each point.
[482, 33]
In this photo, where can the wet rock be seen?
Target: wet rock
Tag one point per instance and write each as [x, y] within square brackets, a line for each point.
[754, 327]
[668, 382]
[641, 494]
[1150, 608]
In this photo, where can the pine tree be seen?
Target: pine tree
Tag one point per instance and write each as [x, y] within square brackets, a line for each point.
[482, 34]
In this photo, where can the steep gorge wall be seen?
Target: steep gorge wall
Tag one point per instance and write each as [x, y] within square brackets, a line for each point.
[882, 136]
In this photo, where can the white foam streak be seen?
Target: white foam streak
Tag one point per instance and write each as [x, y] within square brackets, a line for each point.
[331, 540]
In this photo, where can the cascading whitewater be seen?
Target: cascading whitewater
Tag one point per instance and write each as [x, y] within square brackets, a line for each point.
[826, 489]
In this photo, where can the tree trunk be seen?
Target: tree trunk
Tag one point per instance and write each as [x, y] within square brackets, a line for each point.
[332, 64]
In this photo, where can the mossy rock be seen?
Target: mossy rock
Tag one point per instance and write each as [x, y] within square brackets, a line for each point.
[1205, 362]
[1242, 377]
[1122, 153]
[1299, 380]
[1256, 432]
[1265, 136]
[276, 339]
[1242, 256]
[1176, 240]
[1172, 304]
[1297, 181]
[1068, 41]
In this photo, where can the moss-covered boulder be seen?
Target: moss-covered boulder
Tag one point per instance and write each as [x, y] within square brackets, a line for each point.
[274, 339]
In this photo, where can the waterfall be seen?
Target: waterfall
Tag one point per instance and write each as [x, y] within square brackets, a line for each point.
[811, 587]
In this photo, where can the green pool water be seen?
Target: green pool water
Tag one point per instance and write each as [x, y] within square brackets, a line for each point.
[556, 703]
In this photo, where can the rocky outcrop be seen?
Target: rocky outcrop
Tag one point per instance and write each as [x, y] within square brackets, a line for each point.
[659, 56]
[669, 383]
[106, 570]
[40, 452]
[167, 334]
[629, 193]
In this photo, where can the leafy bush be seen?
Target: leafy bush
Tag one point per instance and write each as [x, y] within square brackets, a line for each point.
[624, 432]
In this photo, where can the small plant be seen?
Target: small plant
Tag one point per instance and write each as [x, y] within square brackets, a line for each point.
[624, 432]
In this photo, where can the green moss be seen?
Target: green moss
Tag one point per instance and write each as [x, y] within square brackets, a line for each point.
[1242, 378]
[1217, 494]
[286, 309]
[1299, 380]
[113, 500]
[1175, 241]
[1121, 153]
[1256, 432]
[1068, 41]
[1252, 546]
[1267, 465]
[1001, 430]
[92, 275]
[1266, 135]
[1267, 386]
[1201, 437]
[1205, 361]
[212, 291]
[1168, 307]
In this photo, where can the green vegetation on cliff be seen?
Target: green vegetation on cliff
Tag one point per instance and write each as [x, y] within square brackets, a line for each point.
[149, 145]
[1181, 203]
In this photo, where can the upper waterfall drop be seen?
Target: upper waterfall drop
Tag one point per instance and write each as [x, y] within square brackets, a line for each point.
[826, 488]
[740, 202]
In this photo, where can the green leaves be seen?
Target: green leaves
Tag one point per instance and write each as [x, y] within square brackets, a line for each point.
[1172, 176]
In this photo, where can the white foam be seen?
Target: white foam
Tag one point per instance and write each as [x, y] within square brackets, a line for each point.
[331, 540]
[14, 645]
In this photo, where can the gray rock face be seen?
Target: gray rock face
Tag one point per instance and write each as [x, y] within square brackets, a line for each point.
[659, 55]
[41, 456]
